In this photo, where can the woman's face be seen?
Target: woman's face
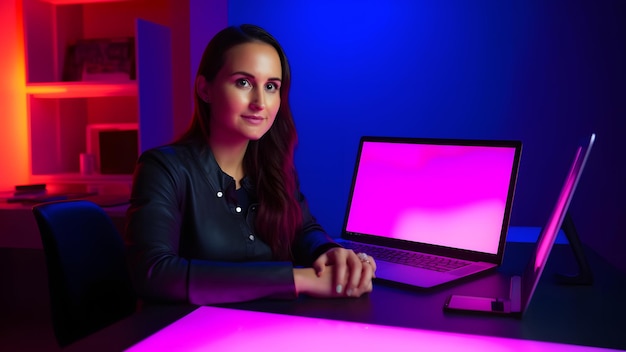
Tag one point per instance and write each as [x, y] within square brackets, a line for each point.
[245, 94]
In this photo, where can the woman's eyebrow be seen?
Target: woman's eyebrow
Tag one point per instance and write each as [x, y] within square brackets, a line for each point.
[243, 73]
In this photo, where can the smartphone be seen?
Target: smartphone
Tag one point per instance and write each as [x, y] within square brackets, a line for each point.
[460, 303]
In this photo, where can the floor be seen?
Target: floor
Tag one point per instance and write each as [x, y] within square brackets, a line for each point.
[24, 304]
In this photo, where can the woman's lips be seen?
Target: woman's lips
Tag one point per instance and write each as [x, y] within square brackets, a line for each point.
[256, 120]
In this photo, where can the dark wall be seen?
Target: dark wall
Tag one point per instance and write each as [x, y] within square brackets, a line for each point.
[546, 72]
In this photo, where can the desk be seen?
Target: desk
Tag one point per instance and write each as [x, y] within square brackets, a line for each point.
[579, 315]
[18, 228]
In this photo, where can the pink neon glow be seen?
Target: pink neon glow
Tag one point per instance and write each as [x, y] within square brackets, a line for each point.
[227, 330]
[443, 195]
[551, 230]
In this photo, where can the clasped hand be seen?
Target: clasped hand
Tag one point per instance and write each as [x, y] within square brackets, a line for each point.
[339, 272]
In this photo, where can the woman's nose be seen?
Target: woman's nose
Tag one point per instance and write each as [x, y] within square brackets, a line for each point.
[258, 101]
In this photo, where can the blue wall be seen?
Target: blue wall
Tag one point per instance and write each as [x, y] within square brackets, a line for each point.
[545, 72]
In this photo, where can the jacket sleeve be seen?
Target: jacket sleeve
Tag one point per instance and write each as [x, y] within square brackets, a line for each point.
[153, 235]
[313, 241]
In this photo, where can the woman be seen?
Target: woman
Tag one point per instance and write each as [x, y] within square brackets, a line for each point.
[217, 216]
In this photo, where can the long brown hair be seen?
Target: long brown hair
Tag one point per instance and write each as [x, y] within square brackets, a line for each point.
[269, 162]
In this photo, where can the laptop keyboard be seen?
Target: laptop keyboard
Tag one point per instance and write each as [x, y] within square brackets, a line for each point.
[419, 260]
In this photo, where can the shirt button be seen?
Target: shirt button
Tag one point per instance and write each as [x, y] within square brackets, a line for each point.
[251, 237]
[238, 209]
[219, 194]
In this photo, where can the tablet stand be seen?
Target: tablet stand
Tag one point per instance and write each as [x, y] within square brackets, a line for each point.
[584, 276]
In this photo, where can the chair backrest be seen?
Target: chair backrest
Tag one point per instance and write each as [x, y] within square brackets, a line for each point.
[90, 286]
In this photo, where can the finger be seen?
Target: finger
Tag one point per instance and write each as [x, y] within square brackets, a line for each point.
[367, 274]
[368, 260]
[373, 265]
[320, 264]
[340, 269]
[355, 272]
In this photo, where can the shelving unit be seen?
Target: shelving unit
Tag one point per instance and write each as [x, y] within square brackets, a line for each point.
[60, 112]
[66, 90]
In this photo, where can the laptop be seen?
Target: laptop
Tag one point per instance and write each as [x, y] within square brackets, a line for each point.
[523, 287]
[430, 210]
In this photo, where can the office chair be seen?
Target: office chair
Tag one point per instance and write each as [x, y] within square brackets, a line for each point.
[88, 280]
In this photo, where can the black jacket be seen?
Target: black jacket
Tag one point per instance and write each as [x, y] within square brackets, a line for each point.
[190, 240]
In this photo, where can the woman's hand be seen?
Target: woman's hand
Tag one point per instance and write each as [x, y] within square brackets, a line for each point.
[339, 272]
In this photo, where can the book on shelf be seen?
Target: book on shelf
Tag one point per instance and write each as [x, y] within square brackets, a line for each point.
[101, 59]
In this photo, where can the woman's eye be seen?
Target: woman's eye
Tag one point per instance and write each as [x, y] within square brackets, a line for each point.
[272, 86]
[243, 83]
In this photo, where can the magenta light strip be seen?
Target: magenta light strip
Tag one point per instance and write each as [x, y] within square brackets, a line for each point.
[226, 330]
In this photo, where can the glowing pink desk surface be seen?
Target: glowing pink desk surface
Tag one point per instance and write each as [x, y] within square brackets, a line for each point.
[224, 330]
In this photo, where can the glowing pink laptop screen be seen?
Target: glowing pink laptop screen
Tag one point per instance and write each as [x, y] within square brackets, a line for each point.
[439, 194]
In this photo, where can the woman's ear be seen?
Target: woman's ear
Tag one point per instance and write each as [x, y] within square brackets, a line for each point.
[202, 89]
